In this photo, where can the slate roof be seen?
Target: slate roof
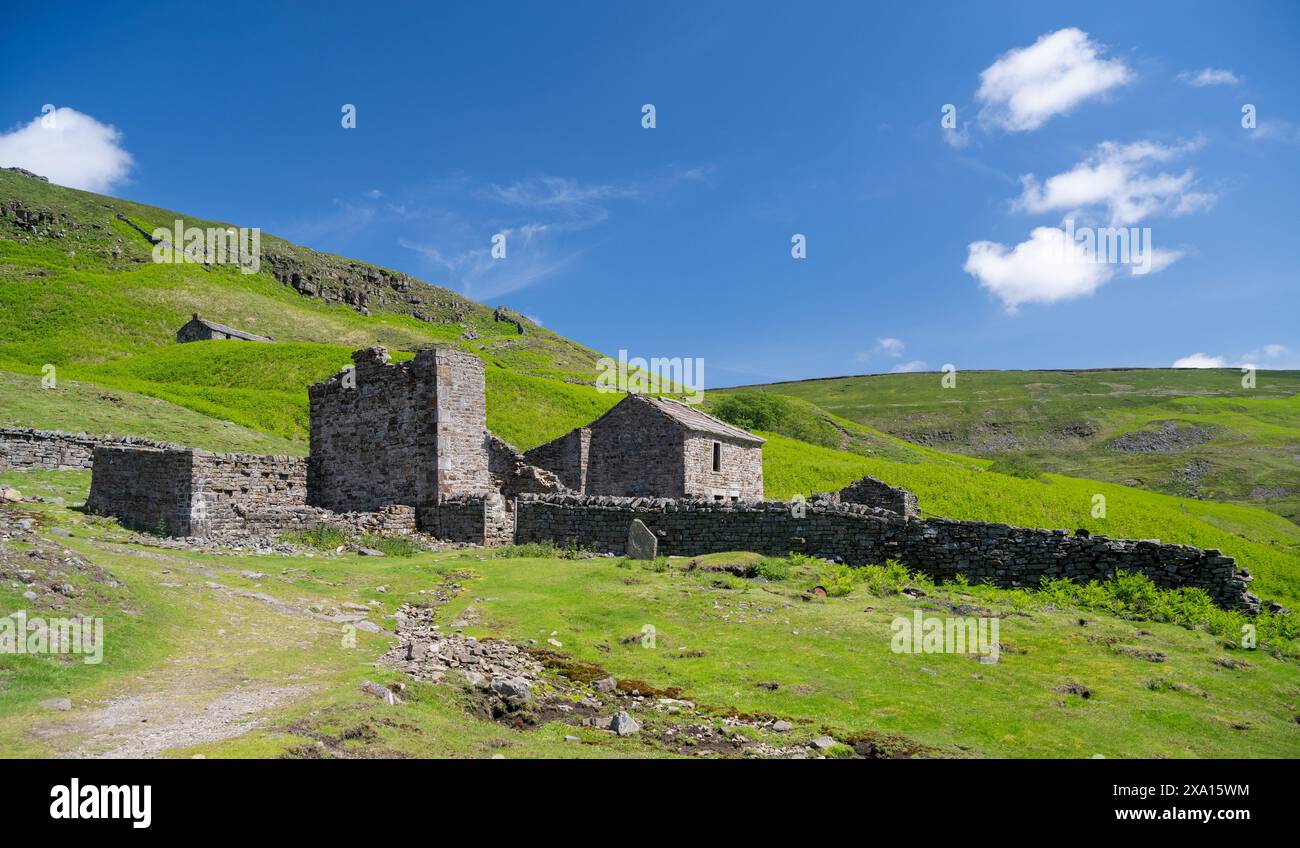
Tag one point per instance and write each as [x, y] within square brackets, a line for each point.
[230, 331]
[697, 421]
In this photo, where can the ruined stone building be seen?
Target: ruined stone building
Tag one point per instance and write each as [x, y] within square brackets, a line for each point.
[200, 329]
[404, 447]
[411, 433]
[653, 446]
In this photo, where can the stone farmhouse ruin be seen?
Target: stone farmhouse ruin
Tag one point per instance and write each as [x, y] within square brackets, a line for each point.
[404, 448]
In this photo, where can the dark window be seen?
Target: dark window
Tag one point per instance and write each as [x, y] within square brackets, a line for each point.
[717, 456]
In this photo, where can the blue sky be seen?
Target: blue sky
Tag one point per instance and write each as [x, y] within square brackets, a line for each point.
[771, 120]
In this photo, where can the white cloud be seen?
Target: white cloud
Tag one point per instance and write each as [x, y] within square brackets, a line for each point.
[1209, 76]
[905, 367]
[535, 320]
[1200, 360]
[1051, 267]
[1119, 178]
[70, 148]
[1046, 268]
[1269, 353]
[1028, 86]
[1160, 260]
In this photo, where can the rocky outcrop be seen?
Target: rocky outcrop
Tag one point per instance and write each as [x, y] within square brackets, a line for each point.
[1170, 437]
[335, 279]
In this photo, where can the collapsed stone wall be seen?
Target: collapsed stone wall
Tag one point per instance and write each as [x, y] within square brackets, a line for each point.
[876, 493]
[512, 475]
[23, 448]
[861, 535]
[566, 458]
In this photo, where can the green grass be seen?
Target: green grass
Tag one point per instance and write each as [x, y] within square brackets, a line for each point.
[177, 626]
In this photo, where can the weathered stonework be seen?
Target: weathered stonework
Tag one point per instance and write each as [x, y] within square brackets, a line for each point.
[22, 448]
[178, 491]
[566, 458]
[184, 492]
[649, 446]
[869, 491]
[404, 433]
[512, 475]
[860, 535]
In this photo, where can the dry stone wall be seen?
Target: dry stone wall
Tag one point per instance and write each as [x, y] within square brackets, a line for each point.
[22, 448]
[860, 535]
[183, 492]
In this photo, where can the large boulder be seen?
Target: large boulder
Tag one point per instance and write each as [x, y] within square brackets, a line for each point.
[641, 543]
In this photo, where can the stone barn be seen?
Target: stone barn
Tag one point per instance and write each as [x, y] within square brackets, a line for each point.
[200, 329]
[657, 447]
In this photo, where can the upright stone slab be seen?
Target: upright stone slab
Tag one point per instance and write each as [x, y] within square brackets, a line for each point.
[641, 543]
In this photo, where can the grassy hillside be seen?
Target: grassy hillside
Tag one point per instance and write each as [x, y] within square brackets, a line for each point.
[88, 408]
[80, 287]
[1188, 432]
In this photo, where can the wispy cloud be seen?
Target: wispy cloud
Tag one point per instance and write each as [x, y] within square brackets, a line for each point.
[1209, 76]
[907, 367]
[887, 346]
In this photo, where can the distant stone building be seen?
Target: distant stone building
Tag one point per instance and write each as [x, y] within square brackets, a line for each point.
[656, 447]
[200, 329]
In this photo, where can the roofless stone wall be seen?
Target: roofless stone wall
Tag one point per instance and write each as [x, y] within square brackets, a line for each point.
[177, 491]
[24, 449]
[863, 535]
